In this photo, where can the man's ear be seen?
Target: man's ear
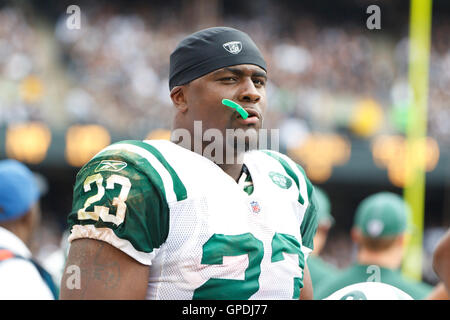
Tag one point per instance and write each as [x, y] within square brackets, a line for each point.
[27, 218]
[402, 240]
[356, 235]
[178, 96]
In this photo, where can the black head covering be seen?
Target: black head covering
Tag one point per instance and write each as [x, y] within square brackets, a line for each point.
[210, 49]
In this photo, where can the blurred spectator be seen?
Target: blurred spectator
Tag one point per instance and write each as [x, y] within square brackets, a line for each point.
[439, 292]
[431, 237]
[379, 230]
[21, 277]
[319, 269]
[441, 259]
[55, 259]
[441, 264]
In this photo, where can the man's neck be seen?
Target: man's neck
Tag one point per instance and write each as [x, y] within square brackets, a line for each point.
[390, 259]
[232, 168]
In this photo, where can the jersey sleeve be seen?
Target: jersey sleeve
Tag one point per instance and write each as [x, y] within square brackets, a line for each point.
[119, 198]
[309, 224]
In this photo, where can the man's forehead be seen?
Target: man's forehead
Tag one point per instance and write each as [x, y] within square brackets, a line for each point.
[242, 67]
[249, 69]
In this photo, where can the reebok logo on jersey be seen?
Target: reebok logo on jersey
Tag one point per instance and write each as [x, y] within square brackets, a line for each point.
[110, 165]
[280, 180]
[233, 47]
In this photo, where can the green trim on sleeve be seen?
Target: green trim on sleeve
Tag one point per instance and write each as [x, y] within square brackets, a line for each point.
[310, 221]
[178, 186]
[309, 185]
[135, 161]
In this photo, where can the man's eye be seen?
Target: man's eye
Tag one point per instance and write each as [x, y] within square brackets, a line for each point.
[228, 79]
[259, 82]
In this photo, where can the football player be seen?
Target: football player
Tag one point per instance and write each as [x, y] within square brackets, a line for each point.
[380, 233]
[170, 220]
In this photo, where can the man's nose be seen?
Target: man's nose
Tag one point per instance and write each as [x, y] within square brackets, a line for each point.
[248, 92]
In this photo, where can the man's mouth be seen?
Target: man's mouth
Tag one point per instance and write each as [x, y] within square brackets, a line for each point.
[254, 117]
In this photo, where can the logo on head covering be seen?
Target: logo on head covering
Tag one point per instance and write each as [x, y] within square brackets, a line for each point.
[233, 47]
[375, 227]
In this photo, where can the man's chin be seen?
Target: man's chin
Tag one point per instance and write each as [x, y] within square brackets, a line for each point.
[242, 139]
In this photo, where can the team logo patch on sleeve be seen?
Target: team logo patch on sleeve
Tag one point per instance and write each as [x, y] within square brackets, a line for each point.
[280, 180]
[111, 165]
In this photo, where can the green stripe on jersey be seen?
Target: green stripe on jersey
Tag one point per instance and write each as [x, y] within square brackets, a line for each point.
[309, 223]
[137, 161]
[178, 186]
[289, 171]
[310, 220]
[309, 186]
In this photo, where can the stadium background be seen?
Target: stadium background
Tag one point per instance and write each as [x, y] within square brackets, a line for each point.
[338, 92]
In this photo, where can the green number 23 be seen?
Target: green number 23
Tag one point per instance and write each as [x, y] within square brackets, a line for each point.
[220, 245]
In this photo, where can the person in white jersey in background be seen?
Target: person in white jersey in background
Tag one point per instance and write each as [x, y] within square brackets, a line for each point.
[21, 277]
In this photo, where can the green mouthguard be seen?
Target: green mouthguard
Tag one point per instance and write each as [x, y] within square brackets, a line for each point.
[238, 108]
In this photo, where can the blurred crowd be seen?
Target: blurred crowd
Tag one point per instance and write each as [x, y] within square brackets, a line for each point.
[114, 71]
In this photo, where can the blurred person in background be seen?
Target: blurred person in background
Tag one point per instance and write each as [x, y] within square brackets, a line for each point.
[441, 265]
[21, 277]
[318, 267]
[441, 260]
[380, 233]
[55, 262]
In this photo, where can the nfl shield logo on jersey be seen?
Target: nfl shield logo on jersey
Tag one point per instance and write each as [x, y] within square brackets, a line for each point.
[255, 207]
[233, 47]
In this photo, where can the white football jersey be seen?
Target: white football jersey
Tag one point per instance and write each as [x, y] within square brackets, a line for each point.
[202, 235]
[369, 291]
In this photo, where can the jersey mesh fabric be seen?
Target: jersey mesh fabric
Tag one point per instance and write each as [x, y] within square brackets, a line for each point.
[172, 278]
[220, 239]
